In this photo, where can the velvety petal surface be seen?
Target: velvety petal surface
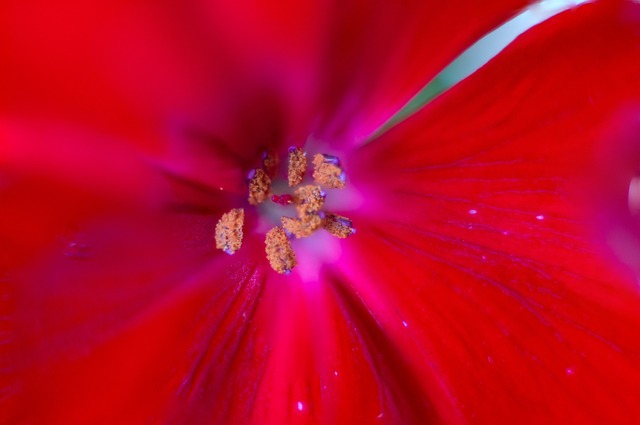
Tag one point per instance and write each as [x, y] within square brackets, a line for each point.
[116, 308]
[140, 71]
[112, 65]
[146, 322]
[478, 251]
[132, 317]
[347, 67]
[336, 70]
[98, 235]
[55, 174]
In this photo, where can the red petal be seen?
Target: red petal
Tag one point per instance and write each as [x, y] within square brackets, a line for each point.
[111, 337]
[116, 65]
[496, 289]
[52, 179]
[143, 329]
[346, 67]
[56, 177]
[134, 70]
[252, 73]
[135, 319]
[107, 341]
[611, 188]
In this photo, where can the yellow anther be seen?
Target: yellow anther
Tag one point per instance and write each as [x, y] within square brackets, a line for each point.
[229, 231]
[279, 251]
[338, 225]
[297, 166]
[309, 199]
[302, 227]
[327, 171]
[270, 163]
[259, 187]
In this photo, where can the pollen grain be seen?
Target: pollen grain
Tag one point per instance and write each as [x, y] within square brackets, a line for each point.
[302, 227]
[229, 231]
[327, 171]
[270, 163]
[297, 166]
[259, 187]
[309, 199]
[338, 226]
[279, 251]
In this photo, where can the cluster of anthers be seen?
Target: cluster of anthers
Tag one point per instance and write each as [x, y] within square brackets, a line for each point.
[308, 200]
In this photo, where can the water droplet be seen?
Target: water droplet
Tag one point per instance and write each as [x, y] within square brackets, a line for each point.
[405, 324]
[300, 406]
[473, 212]
[335, 372]
[77, 250]
[540, 217]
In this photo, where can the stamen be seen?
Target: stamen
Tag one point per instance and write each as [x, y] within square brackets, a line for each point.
[285, 199]
[279, 251]
[339, 226]
[327, 171]
[259, 186]
[302, 227]
[270, 163]
[229, 231]
[297, 166]
[309, 199]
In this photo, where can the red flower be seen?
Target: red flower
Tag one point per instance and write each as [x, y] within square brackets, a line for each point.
[480, 287]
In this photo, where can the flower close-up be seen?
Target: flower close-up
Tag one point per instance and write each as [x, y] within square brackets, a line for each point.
[222, 212]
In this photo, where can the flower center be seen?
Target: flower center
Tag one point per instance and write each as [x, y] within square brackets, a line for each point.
[307, 198]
